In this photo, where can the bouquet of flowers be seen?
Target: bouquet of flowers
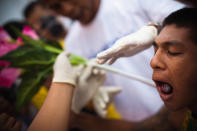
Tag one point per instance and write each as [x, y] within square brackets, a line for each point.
[33, 58]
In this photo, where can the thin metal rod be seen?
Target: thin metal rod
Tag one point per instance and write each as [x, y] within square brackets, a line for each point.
[129, 75]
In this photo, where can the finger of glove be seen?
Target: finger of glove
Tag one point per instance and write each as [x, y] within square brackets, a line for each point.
[61, 61]
[87, 72]
[112, 60]
[78, 69]
[100, 78]
[101, 103]
[103, 94]
[113, 89]
[107, 54]
[100, 111]
[101, 61]
[97, 71]
[97, 99]
[63, 55]
[92, 61]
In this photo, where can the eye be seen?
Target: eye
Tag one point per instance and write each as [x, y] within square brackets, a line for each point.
[174, 53]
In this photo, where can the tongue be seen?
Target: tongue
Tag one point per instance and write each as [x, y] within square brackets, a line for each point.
[166, 89]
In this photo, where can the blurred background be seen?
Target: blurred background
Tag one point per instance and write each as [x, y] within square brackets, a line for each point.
[18, 98]
[12, 9]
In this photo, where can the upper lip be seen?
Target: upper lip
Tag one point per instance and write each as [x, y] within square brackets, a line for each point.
[159, 78]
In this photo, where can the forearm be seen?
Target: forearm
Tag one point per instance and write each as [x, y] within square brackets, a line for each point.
[54, 114]
[87, 122]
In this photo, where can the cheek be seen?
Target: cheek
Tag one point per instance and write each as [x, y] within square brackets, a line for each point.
[177, 70]
[183, 72]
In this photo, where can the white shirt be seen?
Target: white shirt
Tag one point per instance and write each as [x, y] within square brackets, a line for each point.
[117, 18]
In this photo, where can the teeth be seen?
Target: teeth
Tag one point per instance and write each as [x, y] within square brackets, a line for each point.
[166, 89]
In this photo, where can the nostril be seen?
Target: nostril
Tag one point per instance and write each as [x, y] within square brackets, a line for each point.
[153, 63]
[156, 62]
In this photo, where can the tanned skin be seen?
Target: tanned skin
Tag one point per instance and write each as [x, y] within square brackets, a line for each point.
[164, 120]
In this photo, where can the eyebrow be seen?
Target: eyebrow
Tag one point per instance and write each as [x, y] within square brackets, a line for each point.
[169, 43]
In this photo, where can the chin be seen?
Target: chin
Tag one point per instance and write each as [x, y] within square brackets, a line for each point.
[173, 107]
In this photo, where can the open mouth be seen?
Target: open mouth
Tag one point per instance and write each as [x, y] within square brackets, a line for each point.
[165, 90]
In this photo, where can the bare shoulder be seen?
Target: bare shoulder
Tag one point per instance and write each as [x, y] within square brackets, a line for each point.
[164, 120]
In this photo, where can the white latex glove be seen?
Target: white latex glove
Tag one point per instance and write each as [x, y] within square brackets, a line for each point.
[103, 97]
[90, 79]
[63, 71]
[129, 45]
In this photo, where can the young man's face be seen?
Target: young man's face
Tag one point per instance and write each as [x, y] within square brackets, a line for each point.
[175, 67]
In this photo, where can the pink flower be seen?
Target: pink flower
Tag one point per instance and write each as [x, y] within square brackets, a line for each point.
[19, 40]
[6, 47]
[29, 32]
[8, 76]
[4, 35]
[4, 64]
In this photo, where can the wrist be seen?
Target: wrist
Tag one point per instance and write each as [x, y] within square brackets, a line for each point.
[61, 78]
[62, 84]
[155, 25]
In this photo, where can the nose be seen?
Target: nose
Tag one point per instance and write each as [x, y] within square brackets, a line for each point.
[157, 61]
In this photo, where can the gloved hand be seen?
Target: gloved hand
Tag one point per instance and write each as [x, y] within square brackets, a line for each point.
[63, 71]
[103, 97]
[129, 45]
[90, 79]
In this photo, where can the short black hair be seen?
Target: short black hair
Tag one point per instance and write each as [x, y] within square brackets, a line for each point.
[186, 17]
[29, 8]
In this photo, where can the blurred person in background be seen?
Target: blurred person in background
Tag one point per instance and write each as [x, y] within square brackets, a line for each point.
[46, 23]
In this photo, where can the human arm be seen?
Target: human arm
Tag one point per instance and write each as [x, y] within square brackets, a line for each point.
[162, 121]
[54, 113]
[103, 98]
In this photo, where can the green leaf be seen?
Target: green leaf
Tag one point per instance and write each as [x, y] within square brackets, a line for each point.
[29, 58]
[77, 60]
[30, 85]
[54, 44]
[40, 44]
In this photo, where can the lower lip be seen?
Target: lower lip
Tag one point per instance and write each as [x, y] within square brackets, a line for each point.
[165, 97]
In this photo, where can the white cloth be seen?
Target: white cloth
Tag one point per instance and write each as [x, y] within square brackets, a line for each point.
[114, 20]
